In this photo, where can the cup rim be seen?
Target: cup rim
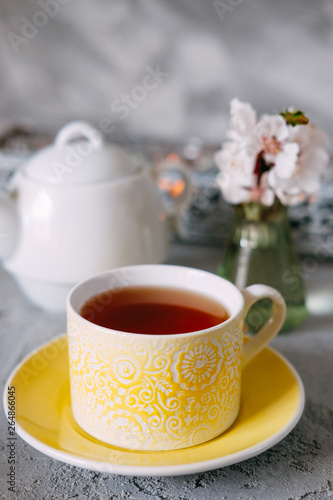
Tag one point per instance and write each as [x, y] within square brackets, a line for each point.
[106, 330]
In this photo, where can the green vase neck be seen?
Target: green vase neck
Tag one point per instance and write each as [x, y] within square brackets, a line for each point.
[258, 226]
[256, 212]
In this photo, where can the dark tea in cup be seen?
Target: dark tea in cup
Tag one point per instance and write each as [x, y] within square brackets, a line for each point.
[153, 310]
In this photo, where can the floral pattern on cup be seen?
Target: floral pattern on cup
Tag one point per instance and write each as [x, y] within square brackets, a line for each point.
[154, 393]
[196, 366]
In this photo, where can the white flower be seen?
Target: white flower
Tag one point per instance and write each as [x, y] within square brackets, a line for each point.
[308, 136]
[305, 180]
[269, 158]
[236, 173]
[268, 136]
[234, 159]
[312, 160]
[269, 139]
[242, 121]
[285, 162]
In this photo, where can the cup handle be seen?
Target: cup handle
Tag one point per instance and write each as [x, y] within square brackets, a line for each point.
[271, 328]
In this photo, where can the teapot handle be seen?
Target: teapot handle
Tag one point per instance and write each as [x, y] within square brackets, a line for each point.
[76, 130]
[173, 206]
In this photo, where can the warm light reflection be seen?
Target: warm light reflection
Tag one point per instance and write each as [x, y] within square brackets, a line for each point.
[173, 158]
[174, 188]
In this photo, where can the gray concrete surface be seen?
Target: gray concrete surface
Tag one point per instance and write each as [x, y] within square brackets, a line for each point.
[299, 467]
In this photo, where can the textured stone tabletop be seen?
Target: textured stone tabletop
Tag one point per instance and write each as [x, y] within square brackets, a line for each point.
[299, 467]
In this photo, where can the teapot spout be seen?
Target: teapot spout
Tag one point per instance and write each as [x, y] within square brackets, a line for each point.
[8, 225]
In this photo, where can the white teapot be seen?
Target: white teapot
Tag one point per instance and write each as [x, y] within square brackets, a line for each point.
[76, 209]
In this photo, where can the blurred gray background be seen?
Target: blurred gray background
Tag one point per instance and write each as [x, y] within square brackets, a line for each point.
[69, 59]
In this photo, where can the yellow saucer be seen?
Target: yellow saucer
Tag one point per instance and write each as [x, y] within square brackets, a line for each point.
[272, 403]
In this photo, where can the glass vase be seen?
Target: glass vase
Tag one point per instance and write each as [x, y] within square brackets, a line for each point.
[261, 250]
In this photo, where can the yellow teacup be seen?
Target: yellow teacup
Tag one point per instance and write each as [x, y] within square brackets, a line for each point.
[162, 392]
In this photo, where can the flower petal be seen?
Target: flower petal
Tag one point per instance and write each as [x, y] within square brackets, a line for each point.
[242, 121]
[308, 136]
[285, 162]
[271, 126]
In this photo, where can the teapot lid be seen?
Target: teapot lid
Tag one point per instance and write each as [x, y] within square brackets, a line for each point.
[79, 155]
